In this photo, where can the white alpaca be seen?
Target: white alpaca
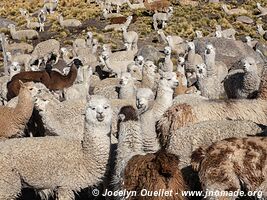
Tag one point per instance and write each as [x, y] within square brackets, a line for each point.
[163, 101]
[69, 23]
[167, 65]
[130, 39]
[227, 33]
[214, 68]
[261, 31]
[80, 90]
[44, 50]
[77, 164]
[22, 34]
[193, 58]
[21, 59]
[135, 6]
[127, 86]
[263, 10]
[235, 11]
[162, 17]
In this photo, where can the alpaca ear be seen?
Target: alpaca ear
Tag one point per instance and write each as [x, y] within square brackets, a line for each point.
[121, 117]
[21, 84]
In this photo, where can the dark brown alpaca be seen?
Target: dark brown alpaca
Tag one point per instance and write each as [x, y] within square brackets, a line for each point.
[59, 81]
[51, 79]
[154, 171]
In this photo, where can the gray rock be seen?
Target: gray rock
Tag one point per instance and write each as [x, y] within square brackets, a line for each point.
[5, 22]
[228, 51]
[245, 19]
[150, 53]
[262, 47]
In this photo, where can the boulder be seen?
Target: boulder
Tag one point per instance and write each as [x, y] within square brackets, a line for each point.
[150, 53]
[228, 51]
[5, 22]
[245, 19]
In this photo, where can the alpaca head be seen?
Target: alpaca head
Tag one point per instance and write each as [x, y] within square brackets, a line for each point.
[139, 60]
[64, 50]
[167, 50]
[11, 26]
[24, 12]
[218, 34]
[259, 26]
[126, 77]
[201, 70]
[224, 7]
[144, 99]
[128, 113]
[191, 45]
[105, 55]
[160, 31]
[43, 99]
[199, 34]
[77, 63]
[66, 70]
[98, 111]
[30, 87]
[150, 67]
[249, 64]
[89, 35]
[218, 27]
[129, 18]
[14, 68]
[168, 79]
[106, 47]
[248, 38]
[209, 49]
[181, 60]
[135, 71]
[170, 10]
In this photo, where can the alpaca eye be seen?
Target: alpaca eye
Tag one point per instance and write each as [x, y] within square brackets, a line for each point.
[169, 79]
[31, 88]
[134, 70]
[106, 107]
[93, 108]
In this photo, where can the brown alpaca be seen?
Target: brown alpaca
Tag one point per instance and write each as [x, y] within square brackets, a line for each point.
[181, 89]
[13, 86]
[160, 5]
[232, 164]
[51, 79]
[185, 114]
[59, 81]
[122, 20]
[13, 120]
[154, 172]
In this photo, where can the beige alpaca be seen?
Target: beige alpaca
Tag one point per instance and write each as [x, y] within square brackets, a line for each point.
[13, 120]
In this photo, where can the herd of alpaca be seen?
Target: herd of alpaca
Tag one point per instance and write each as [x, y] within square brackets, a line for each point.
[85, 117]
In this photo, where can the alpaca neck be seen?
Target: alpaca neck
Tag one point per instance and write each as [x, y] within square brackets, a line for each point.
[251, 80]
[191, 55]
[96, 148]
[164, 96]
[148, 79]
[24, 106]
[72, 75]
[210, 63]
[163, 37]
[226, 10]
